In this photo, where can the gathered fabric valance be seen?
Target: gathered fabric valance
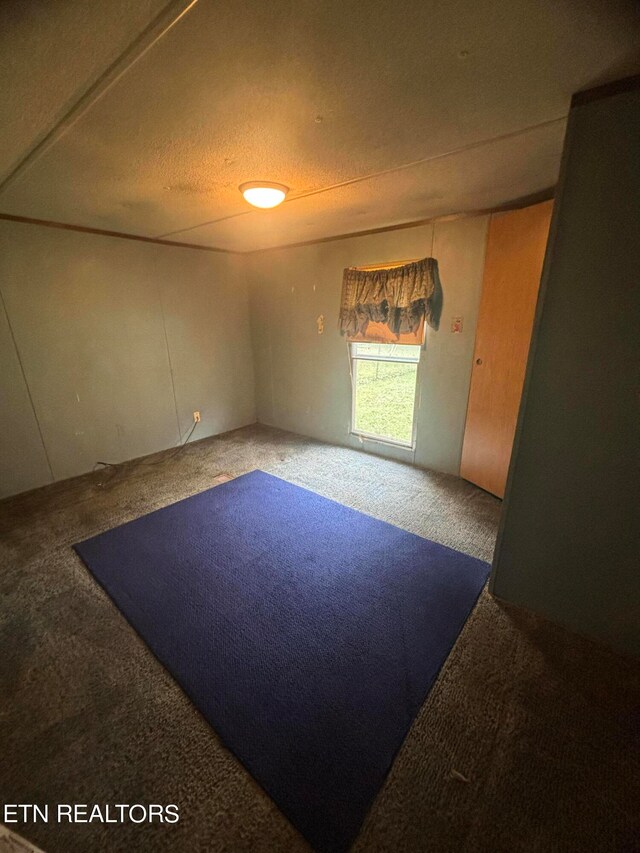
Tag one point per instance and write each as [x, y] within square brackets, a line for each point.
[401, 298]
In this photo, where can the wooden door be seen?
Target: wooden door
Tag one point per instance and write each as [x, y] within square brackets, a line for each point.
[515, 252]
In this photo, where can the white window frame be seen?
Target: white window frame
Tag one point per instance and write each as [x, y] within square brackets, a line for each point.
[353, 359]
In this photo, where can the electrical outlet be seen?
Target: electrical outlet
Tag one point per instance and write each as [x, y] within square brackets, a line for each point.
[196, 417]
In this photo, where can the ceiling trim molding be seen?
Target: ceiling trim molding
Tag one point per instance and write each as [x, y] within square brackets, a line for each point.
[122, 235]
[616, 87]
[173, 12]
[525, 201]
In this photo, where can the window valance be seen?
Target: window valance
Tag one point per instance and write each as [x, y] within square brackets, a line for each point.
[400, 298]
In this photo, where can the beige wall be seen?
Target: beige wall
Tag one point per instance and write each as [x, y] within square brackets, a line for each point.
[302, 378]
[109, 345]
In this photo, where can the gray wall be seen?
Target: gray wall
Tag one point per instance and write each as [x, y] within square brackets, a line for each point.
[569, 546]
[107, 347]
[302, 378]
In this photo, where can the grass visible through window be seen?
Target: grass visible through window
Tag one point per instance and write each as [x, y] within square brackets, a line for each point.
[384, 397]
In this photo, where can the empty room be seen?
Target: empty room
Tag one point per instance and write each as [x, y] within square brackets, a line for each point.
[319, 350]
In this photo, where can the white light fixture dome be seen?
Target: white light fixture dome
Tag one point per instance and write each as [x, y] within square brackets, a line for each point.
[263, 194]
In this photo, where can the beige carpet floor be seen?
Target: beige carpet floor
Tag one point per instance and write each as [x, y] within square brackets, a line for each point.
[529, 741]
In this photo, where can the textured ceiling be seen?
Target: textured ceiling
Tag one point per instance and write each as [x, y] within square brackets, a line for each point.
[373, 113]
[50, 52]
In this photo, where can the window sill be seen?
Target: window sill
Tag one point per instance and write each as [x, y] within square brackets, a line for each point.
[365, 436]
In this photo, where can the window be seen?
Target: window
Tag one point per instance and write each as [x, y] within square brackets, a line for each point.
[384, 378]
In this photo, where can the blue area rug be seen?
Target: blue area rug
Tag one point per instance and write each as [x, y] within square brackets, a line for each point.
[306, 633]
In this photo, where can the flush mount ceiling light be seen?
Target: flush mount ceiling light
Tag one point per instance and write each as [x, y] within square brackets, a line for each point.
[263, 193]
